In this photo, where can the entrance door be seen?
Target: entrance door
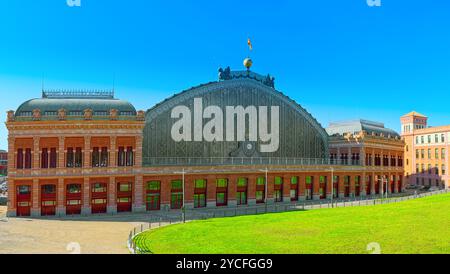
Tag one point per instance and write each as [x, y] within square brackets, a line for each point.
[377, 185]
[23, 199]
[153, 198]
[124, 197]
[368, 184]
[73, 199]
[323, 187]
[48, 200]
[99, 197]
[346, 186]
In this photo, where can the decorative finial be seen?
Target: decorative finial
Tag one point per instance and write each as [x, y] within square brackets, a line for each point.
[248, 63]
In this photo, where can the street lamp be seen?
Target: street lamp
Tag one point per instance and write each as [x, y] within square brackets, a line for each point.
[183, 209]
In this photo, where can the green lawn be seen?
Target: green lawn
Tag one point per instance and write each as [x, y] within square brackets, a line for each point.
[414, 226]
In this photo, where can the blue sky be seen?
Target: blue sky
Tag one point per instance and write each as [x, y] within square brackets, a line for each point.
[340, 59]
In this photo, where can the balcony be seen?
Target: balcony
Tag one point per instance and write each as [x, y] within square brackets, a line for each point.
[223, 161]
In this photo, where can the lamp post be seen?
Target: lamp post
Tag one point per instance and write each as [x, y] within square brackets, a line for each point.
[183, 208]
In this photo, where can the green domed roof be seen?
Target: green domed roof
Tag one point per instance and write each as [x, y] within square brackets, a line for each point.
[75, 104]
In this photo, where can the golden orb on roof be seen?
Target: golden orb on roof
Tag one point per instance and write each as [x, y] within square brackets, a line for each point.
[248, 63]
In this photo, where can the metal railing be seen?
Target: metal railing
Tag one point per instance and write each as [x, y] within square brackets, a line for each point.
[191, 215]
[199, 161]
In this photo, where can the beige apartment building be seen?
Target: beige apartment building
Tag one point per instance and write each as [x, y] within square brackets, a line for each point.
[426, 151]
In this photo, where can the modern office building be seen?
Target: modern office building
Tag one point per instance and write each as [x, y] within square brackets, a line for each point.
[210, 146]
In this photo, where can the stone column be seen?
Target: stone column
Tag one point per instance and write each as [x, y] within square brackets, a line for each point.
[362, 156]
[86, 208]
[251, 190]
[301, 187]
[232, 187]
[372, 185]
[112, 199]
[211, 185]
[341, 186]
[287, 188]
[11, 203]
[35, 155]
[189, 191]
[60, 197]
[316, 186]
[35, 208]
[11, 157]
[139, 204]
[352, 185]
[61, 153]
[138, 153]
[270, 189]
[362, 185]
[113, 152]
[396, 181]
[329, 184]
[165, 193]
[87, 152]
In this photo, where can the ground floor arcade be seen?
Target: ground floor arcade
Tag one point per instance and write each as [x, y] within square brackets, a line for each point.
[139, 193]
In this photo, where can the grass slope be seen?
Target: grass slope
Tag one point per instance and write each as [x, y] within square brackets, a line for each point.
[415, 226]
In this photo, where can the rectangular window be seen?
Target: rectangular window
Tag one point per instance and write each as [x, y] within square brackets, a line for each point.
[177, 184]
[98, 201]
[104, 157]
[443, 170]
[176, 200]
[443, 154]
[70, 157]
[73, 202]
[260, 181]
[436, 153]
[242, 182]
[260, 196]
[24, 190]
[200, 183]
[429, 153]
[221, 198]
[78, 157]
[124, 187]
[422, 154]
[123, 200]
[442, 138]
[48, 189]
[278, 181]
[221, 183]
[241, 197]
[96, 157]
[19, 162]
[48, 203]
[154, 185]
[199, 200]
[436, 138]
[130, 156]
[74, 188]
[121, 156]
[28, 158]
[98, 188]
[53, 158]
[44, 158]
